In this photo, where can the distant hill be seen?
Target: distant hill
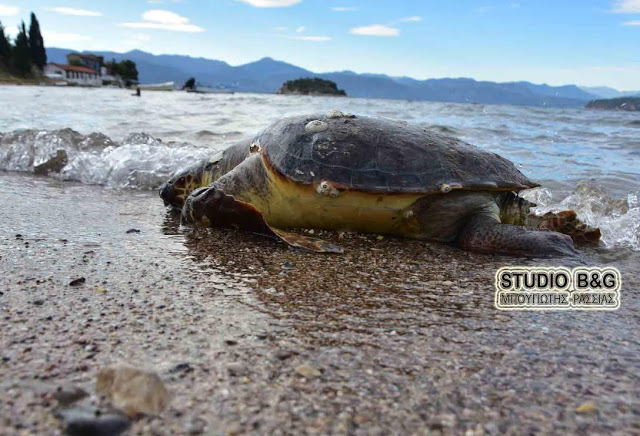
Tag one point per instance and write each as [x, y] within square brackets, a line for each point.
[605, 92]
[267, 75]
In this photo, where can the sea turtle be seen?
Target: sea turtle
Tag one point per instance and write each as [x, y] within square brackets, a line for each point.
[342, 172]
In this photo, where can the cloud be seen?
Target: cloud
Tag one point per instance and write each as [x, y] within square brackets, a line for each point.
[631, 23]
[280, 28]
[311, 38]
[413, 18]
[375, 30]
[164, 20]
[8, 11]
[270, 3]
[60, 38]
[77, 12]
[626, 7]
[300, 29]
[343, 8]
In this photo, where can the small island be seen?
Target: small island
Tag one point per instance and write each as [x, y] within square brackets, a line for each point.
[308, 86]
[616, 104]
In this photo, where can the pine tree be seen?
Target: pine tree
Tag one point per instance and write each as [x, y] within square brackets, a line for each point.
[5, 49]
[20, 55]
[128, 71]
[36, 43]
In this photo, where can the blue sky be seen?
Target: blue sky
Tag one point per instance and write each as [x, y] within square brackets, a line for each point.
[586, 42]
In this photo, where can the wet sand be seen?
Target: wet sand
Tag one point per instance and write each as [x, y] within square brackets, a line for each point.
[403, 334]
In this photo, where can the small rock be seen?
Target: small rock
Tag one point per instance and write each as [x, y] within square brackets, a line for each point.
[586, 408]
[307, 371]
[86, 421]
[284, 354]
[182, 367]
[66, 395]
[195, 426]
[287, 265]
[38, 302]
[77, 282]
[133, 391]
[133, 231]
[237, 369]
[230, 342]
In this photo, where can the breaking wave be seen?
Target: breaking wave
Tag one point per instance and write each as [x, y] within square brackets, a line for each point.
[143, 162]
[617, 218]
[138, 162]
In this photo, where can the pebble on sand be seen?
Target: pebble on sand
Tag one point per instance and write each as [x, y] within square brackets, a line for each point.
[77, 282]
[586, 408]
[133, 391]
[307, 371]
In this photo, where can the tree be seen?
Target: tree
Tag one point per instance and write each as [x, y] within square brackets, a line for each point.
[5, 49]
[20, 55]
[128, 71]
[36, 43]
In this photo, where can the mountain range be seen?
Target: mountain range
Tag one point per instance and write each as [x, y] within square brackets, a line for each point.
[267, 75]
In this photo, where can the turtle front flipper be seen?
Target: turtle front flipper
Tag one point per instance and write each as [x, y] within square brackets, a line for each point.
[211, 207]
[486, 234]
[566, 222]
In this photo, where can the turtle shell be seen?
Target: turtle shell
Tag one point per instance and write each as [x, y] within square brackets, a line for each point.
[381, 155]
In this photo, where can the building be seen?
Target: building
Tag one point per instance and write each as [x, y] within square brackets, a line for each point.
[109, 79]
[86, 60]
[82, 76]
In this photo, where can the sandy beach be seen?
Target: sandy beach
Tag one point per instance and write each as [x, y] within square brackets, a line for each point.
[401, 336]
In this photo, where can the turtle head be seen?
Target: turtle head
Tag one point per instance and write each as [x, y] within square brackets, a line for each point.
[176, 190]
[514, 209]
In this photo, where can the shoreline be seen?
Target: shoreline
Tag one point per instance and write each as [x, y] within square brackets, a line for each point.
[403, 334]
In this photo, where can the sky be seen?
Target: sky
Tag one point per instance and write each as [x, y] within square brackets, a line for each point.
[583, 42]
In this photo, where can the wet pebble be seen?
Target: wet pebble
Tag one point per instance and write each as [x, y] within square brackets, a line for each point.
[66, 395]
[183, 367]
[77, 282]
[284, 354]
[307, 371]
[131, 390]
[90, 422]
[237, 369]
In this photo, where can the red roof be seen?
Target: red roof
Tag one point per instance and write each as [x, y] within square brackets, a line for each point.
[76, 69]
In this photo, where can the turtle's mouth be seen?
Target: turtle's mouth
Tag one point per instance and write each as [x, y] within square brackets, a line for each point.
[167, 194]
[515, 209]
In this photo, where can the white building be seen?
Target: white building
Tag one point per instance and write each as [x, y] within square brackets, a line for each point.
[71, 74]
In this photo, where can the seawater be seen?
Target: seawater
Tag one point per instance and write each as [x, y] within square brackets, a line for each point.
[586, 160]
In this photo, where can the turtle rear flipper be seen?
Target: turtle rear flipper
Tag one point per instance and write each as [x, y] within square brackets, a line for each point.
[486, 234]
[211, 207]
